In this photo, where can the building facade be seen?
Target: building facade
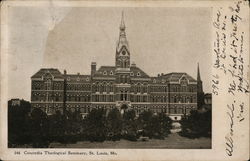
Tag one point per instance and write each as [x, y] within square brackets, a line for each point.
[123, 86]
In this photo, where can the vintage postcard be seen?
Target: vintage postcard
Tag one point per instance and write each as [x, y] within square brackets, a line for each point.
[124, 80]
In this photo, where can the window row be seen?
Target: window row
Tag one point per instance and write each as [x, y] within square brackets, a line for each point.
[138, 98]
[123, 79]
[47, 85]
[139, 89]
[183, 89]
[158, 89]
[82, 87]
[158, 98]
[183, 99]
[103, 98]
[47, 98]
[102, 88]
[85, 98]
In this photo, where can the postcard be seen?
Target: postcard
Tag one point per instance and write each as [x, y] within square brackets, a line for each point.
[124, 80]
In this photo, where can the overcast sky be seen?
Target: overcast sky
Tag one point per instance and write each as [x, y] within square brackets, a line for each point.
[161, 40]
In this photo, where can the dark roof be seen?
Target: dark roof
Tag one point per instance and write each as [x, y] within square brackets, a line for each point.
[105, 71]
[172, 77]
[109, 71]
[54, 72]
[77, 78]
[138, 73]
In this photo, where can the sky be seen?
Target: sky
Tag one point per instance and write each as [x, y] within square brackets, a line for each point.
[161, 40]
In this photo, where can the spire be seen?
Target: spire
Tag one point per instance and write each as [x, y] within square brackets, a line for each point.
[122, 36]
[198, 73]
[122, 26]
[122, 59]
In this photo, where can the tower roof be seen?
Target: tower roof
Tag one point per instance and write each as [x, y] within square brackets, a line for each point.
[122, 36]
[122, 25]
[198, 73]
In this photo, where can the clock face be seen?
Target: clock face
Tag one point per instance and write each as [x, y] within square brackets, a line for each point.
[123, 52]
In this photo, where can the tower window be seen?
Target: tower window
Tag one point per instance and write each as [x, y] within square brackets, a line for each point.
[123, 52]
[138, 74]
[111, 72]
[105, 73]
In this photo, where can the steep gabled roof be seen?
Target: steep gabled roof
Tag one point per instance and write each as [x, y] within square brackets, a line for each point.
[138, 73]
[105, 71]
[175, 77]
[54, 72]
[77, 78]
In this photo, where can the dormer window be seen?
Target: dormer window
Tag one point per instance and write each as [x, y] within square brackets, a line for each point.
[78, 79]
[111, 73]
[183, 81]
[87, 79]
[105, 73]
[154, 81]
[138, 74]
[132, 74]
[68, 79]
[162, 81]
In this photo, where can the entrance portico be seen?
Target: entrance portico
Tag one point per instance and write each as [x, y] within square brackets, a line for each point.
[123, 106]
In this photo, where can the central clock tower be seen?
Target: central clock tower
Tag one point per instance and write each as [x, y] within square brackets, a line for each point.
[122, 49]
[122, 72]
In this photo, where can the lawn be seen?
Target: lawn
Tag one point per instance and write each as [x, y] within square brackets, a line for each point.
[173, 141]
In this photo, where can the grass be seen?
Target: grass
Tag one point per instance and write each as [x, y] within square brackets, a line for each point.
[173, 141]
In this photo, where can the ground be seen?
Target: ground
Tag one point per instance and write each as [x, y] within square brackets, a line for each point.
[173, 141]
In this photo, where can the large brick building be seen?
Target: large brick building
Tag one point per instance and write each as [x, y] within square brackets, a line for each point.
[123, 86]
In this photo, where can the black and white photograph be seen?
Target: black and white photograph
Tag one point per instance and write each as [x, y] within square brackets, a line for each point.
[113, 78]
[105, 80]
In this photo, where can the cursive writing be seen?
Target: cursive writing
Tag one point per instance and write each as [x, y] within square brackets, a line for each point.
[229, 136]
[230, 64]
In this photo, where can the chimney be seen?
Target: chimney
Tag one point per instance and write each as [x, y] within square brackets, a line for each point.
[93, 68]
[162, 74]
[64, 72]
[159, 75]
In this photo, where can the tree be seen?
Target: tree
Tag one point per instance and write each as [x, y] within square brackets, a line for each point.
[72, 122]
[197, 124]
[57, 128]
[129, 125]
[95, 122]
[114, 124]
[129, 115]
[145, 124]
[18, 123]
[39, 128]
[165, 124]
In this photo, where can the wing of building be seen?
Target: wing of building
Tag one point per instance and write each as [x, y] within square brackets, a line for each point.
[123, 86]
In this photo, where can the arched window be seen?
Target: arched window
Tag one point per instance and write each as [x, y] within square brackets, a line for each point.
[101, 88]
[125, 79]
[191, 99]
[185, 99]
[175, 110]
[48, 84]
[175, 99]
[104, 87]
